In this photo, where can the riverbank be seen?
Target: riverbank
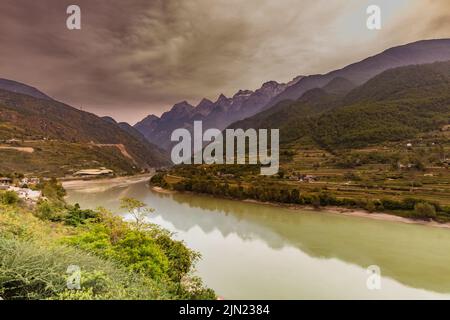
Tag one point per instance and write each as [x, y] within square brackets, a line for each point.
[331, 209]
[99, 184]
[112, 182]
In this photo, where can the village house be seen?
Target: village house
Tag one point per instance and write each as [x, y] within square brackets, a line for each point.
[27, 182]
[5, 181]
[225, 175]
[13, 141]
[27, 194]
[308, 178]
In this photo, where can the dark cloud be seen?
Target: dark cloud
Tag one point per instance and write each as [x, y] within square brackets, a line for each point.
[136, 57]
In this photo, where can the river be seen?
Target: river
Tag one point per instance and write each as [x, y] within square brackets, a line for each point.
[256, 251]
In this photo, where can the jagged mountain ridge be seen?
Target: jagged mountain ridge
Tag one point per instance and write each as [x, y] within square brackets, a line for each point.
[245, 104]
[218, 114]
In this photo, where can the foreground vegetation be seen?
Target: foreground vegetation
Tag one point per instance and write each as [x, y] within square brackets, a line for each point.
[56, 251]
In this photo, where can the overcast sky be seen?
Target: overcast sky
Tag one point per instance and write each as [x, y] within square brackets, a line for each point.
[136, 57]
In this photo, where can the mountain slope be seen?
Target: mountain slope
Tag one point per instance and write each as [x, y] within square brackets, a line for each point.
[31, 119]
[17, 87]
[420, 52]
[394, 105]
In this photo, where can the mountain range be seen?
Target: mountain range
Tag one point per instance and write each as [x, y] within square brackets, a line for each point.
[394, 95]
[246, 104]
[397, 104]
[217, 114]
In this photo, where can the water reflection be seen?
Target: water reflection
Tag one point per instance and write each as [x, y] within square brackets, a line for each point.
[415, 256]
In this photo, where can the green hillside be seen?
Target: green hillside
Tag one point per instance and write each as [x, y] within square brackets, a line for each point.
[382, 147]
[395, 105]
[62, 139]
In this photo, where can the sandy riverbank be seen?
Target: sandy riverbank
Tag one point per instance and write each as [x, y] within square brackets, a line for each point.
[110, 182]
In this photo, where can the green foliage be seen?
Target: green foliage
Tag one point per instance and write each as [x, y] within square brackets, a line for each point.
[181, 259]
[9, 197]
[29, 270]
[52, 190]
[158, 179]
[147, 250]
[395, 105]
[425, 210]
[117, 259]
[49, 210]
[75, 215]
[137, 209]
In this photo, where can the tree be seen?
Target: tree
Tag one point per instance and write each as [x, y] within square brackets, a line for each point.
[425, 210]
[138, 210]
[9, 198]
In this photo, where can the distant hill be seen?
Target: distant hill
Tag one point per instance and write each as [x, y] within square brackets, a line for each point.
[394, 105]
[339, 85]
[17, 87]
[420, 52]
[28, 118]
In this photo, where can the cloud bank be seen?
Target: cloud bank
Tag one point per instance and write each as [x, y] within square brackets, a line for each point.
[137, 57]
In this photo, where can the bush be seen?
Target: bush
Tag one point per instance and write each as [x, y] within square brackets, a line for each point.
[370, 206]
[9, 198]
[425, 210]
[46, 210]
[53, 190]
[76, 216]
[112, 238]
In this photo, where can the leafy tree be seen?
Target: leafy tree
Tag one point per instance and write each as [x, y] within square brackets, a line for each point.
[138, 211]
[425, 210]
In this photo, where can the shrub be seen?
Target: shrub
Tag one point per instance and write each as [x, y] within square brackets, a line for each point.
[76, 216]
[9, 198]
[46, 210]
[425, 210]
[53, 190]
[113, 239]
[370, 206]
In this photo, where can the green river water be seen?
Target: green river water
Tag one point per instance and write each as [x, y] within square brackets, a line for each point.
[255, 251]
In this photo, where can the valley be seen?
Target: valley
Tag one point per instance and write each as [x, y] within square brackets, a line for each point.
[383, 146]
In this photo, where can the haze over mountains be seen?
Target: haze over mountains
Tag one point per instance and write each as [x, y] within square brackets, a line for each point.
[245, 103]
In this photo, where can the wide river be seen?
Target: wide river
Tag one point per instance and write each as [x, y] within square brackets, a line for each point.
[254, 251]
